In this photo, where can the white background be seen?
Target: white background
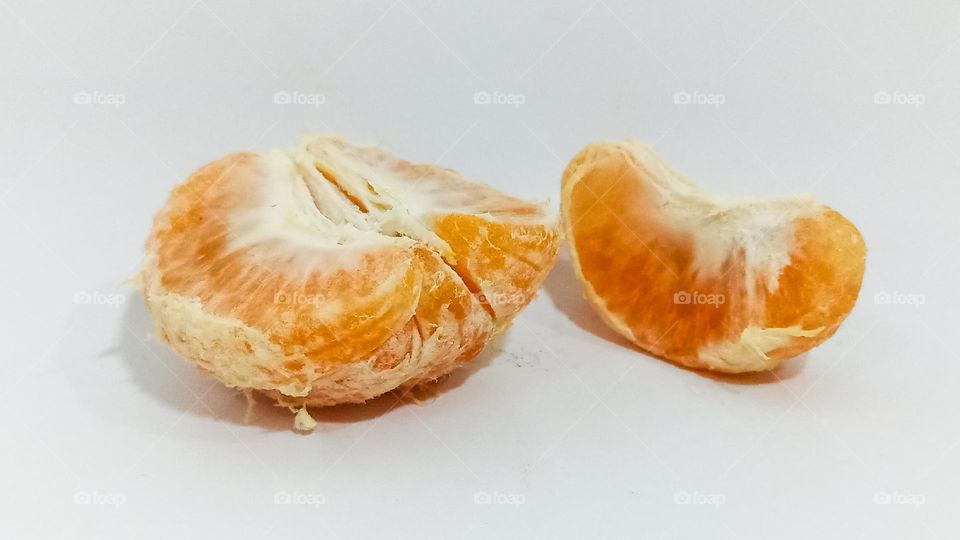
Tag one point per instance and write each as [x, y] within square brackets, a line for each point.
[106, 434]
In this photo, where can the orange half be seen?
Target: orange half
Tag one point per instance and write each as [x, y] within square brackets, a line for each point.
[331, 273]
[732, 286]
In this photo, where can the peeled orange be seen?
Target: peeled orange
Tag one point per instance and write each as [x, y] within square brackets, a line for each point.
[731, 286]
[332, 273]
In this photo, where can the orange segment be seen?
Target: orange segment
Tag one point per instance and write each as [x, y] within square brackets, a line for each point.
[262, 287]
[499, 245]
[486, 250]
[331, 273]
[729, 286]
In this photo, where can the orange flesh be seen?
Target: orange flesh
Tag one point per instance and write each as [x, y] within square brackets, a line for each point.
[393, 300]
[485, 250]
[194, 260]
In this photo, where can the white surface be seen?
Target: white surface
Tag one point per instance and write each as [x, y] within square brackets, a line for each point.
[594, 439]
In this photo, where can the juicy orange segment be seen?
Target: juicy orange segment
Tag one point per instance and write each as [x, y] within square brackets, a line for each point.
[331, 273]
[727, 286]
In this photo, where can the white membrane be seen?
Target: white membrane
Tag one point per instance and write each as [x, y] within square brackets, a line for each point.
[762, 230]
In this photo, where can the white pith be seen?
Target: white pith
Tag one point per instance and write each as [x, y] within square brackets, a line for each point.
[761, 229]
[749, 352]
[309, 202]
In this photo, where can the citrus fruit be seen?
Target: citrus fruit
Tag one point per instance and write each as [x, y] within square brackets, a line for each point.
[332, 273]
[731, 286]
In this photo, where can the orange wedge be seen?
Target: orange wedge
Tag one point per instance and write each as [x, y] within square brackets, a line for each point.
[729, 286]
[332, 273]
